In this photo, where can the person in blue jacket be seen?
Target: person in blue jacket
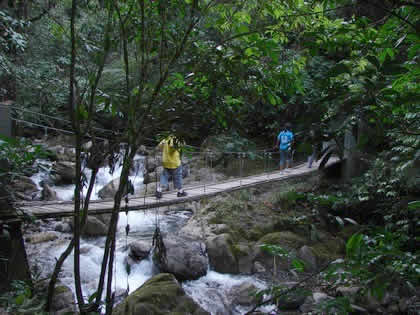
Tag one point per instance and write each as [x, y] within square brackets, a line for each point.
[284, 143]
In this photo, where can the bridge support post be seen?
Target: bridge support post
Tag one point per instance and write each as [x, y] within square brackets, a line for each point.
[13, 261]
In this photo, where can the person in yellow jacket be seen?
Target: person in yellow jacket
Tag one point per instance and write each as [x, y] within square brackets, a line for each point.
[172, 166]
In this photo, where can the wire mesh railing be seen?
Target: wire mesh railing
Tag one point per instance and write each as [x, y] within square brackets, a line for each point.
[204, 168]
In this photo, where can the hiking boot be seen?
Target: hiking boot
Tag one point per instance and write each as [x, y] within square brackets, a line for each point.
[158, 194]
[181, 194]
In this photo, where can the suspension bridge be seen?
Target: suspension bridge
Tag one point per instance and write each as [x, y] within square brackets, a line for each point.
[198, 191]
[42, 210]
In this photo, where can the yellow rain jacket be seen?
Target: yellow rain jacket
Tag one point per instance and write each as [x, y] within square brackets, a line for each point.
[171, 157]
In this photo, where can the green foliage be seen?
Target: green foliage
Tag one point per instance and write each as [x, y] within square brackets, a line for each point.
[288, 199]
[19, 154]
[21, 300]
[234, 143]
[275, 250]
[279, 293]
[375, 262]
[13, 42]
[12, 38]
[331, 200]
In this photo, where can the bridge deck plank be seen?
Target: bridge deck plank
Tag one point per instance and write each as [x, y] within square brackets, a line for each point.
[62, 209]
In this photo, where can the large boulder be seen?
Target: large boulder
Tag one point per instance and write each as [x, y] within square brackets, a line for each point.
[244, 294]
[109, 190]
[308, 255]
[139, 250]
[66, 171]
[292, 300]
[245, 256]
[161, 294]
[287, 240]
[94, 227]
[41, 237]
[63, 301]
[181, 257]
[221, 256]
[24, 184]
[48, 193]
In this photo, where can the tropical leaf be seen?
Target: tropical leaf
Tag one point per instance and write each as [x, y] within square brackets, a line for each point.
[354, 244]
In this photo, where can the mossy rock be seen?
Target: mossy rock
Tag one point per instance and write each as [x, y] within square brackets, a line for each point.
[61, 289]
[255, 234]
[285, 239]
[238, 251]
[260, 230]
[329, 250]
[161, 294]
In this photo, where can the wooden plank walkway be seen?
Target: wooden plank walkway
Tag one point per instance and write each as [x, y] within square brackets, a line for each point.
[65, 209]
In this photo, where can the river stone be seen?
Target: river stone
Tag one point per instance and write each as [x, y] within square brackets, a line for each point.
[142, 150]
[319, 297]
[286, 240]
[258, 267]
[292, 300]
[104, 218]
[185, 259]
[139, 250]
[161, 294]
[63, 227]
[109, 190]
[24, 185]
[56, 152]
[60, 153]
[349, 292]
[66, 171]
[308, 305]
[197, 226]
[245, 256]
[219, 228]
[48, 193]
[244, 294]
[221, 257]
[63, 301]
[70, 154]
[328, 250]
[307, 254]
[42, 237]
[93, 227]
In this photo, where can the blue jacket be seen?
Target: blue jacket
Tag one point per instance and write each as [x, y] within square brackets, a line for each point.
[285, 139]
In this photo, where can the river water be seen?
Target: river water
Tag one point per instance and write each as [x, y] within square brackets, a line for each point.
[212, 291]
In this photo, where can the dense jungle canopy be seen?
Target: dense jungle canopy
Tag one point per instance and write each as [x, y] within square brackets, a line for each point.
[130, 71]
